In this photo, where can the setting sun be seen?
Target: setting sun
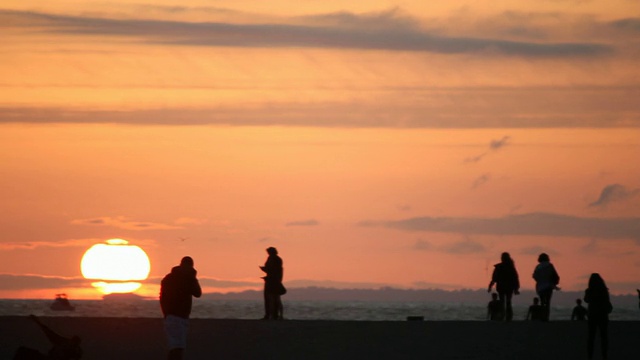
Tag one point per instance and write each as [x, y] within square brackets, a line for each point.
[116, 265]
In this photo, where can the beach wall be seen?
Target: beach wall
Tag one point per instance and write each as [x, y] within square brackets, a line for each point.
[143, 338]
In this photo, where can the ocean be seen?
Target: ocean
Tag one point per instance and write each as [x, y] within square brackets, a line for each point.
[294, 310]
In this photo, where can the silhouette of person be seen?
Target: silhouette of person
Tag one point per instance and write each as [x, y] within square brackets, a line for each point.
[536, 311]
[176, 291]
[597, 296]
[579, 312]
[507, 283]
[547, 280]
[495, 309]
[62, 348]
[273, 287]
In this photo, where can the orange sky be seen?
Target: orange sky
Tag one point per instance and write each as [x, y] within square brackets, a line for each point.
[374, 144]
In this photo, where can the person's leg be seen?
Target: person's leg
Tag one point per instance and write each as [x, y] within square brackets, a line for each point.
[604, 338]
[176, 329]
[591, 338]
[280, 312]
[267, 306]
[273, 306]
[545, 302]
[509, 309]
[501, 299]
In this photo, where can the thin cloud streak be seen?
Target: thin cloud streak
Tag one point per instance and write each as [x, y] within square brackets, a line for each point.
[466, 246]
[310, 222]
[481, 180]
[494, 145]
[122, 222]
[216, 34]
[32, 245]
[532, 224]
[584, 110]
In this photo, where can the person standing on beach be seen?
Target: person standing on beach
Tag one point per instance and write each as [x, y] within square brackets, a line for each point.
[176, 291]
[579, 312]
[507, 283]
[547, 280]
[495, 309]
[273, 287]
[535, 311]
[597, 296]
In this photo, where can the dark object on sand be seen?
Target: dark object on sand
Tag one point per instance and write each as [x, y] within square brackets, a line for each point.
[61, 303]
[62, 348]
[415, 318]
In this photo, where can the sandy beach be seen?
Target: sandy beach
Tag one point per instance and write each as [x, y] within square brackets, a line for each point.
[143, 338]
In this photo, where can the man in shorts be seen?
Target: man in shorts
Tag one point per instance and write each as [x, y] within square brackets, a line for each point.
[176, 291]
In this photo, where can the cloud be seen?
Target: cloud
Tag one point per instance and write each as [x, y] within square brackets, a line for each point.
[632, 24]
[537, 250]
[581, 109]
[31, 245]
[25, 282]
[475, 159]
[614, 193]
[494, 145]
[532, 224]
[384, 31]
[466, 246]
[122, 222]
[480, 181]
[498, 144]
[190, 221]
[310, 222]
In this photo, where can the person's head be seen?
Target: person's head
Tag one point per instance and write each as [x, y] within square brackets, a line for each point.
[186, 261]
[543, 257]
[272, 251]
[536, 301]
[596, 282]
[506, 258]
[494, 296]
[578, 301]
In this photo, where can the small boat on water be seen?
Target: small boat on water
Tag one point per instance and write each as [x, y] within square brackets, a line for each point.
[61, 303]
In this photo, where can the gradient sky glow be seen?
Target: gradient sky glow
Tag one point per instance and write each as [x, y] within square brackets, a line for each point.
[374, 143]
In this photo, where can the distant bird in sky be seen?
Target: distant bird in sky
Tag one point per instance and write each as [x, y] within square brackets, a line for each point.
[183, 238]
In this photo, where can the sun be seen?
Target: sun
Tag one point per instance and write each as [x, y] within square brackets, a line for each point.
[116, 266]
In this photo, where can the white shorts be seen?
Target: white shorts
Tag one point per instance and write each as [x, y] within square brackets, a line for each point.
[176, 329]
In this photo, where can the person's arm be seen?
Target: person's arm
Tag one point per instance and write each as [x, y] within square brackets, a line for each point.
[493, 279]
[528, 313]
[574, 313]
[196, 290]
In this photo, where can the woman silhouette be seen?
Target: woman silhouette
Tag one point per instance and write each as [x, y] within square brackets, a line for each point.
[547, 280]
[507, 283]
[597, 296]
